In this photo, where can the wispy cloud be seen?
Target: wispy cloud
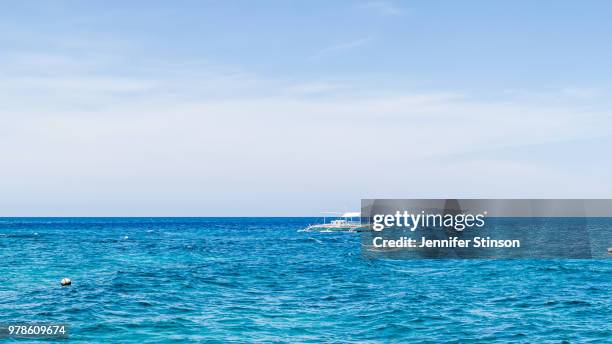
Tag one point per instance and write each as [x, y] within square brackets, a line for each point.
[161, 141]
[385, 8]
[341, 47]
[581, 92]
[174, 138]
[572, 94]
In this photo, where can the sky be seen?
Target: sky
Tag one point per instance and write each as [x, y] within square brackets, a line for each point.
[291, 108]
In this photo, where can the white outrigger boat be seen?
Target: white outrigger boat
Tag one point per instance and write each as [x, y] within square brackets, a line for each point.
[341, 222]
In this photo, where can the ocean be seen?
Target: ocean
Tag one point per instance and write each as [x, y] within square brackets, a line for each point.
[171, 280]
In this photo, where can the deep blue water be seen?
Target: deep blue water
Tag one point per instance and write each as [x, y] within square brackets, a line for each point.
[259, 280]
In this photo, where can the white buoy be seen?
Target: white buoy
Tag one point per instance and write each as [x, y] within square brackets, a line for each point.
[65, 282]
[609, 249]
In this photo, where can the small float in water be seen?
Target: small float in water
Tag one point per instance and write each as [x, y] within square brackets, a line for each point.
[340, 222]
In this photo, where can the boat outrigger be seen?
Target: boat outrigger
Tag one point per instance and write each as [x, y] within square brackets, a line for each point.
[341, 222]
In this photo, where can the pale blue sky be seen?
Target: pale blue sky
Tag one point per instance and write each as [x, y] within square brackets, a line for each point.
[290, 108]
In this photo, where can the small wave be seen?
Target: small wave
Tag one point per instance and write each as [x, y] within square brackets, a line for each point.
[23, 236]
[315, 239]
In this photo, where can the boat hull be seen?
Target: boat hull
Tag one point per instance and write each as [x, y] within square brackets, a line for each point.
[335, 228]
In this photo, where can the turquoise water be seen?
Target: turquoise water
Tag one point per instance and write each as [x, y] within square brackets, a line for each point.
[259, 280]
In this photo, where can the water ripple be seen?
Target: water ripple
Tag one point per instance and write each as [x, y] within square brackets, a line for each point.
[259, 280]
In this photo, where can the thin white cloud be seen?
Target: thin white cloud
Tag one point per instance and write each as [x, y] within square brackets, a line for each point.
[341, 47]
[209, 141]
[385, 8]
[581, 92]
